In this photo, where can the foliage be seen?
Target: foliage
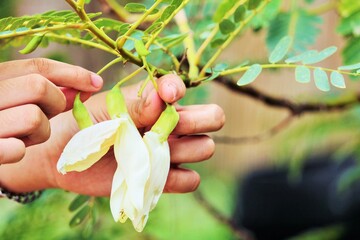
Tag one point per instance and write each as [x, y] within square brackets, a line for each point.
[188, 38]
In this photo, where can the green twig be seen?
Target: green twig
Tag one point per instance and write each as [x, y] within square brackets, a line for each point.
[215, 30]
[113, 62]
[232, 36]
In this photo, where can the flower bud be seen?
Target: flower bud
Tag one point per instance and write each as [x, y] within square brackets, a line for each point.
[166, 123]
[81, 114]
[32, 45]
[141, 49]
[115, 103]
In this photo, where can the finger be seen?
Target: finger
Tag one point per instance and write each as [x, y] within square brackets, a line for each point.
[59, 73]
[199, 119]
[171, 88]
[27, 122]
[32, 89]
[11, 150]
[70, 95]
[182, 181]
[190, 149]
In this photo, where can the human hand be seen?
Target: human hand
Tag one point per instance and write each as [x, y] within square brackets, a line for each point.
[184, 146]
[31, 92]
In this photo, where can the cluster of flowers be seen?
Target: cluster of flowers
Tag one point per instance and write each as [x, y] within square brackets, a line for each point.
[143, 162]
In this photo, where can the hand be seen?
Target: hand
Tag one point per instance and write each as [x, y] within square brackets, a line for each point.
[30, 94]
[185, 148]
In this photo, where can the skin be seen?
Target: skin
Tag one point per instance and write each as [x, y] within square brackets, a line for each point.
[31, 144]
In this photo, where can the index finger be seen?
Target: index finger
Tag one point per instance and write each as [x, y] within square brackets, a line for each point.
[61, 74]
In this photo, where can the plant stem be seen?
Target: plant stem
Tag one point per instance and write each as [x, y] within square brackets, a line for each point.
[215, 30]
[130, 76]
[118, 9]
[40, 30]
[136, 24]
[232, 36]
[326, 7]
[189, 44]
[270, 66]
[172, 56]
[165, 23]
[113, 62]
[83, 42]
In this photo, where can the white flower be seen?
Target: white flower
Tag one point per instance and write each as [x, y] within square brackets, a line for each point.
[90, 144]
[160, 165]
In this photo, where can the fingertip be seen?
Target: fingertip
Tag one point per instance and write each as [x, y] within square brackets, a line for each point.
[171, 88]
[96, 81]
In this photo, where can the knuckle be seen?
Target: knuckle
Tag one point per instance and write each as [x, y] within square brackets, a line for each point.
[34, 117]
[38, 85]
[40, 65]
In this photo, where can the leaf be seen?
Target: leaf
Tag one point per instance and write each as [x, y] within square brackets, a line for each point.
[78, 202]
[321, 56]
[263, 18]
[239, 14]
[351, 51]
[302, 74]
[300, 57]
[167, 13]
[222, 9]
[226, 27]
[350, 67]
[321, 80]
[337, 80]
[80, 216]
[250, 75]
[212, 77]
[252, 4]
[304, 29]
[217, 42]
[281, 49]
[135, 7]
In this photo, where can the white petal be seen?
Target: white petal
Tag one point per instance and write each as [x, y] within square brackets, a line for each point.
[118, 191]
[133, 160]
[88, 146]
[160, 165]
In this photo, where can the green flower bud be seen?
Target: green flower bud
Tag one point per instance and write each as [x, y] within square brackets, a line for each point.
[141, 49]
[115, 103]
[81, 114]
[32, 45]
[166, 123]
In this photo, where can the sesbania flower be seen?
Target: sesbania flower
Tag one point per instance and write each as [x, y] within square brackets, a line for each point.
[158, 147]
[90, 144]
[143, 163]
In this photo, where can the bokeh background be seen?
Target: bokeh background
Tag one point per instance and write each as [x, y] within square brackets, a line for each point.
[187, 216]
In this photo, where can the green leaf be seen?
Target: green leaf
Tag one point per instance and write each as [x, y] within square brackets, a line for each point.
[217, 42]
[250, 75]
[321, 56]
[78, 201]
[302, 74]
[337, 80]
[300, 57]
[303, 27]
[321, 80]
[167, 13]
[351, 51]
[226, 27]
[252, 4]
[135, 7]
[350, 67]
[212, 77]
[80, 216]
[239, 14]
[281, 49]
[263, 18]
[222, 9]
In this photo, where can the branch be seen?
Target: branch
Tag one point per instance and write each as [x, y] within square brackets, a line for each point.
[295, 109]
[239, 233]
[256, 138]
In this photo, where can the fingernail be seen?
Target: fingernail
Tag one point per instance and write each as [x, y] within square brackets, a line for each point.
[96, 80]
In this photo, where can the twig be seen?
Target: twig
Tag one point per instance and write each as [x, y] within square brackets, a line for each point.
[256, 138]
[239, 233]
[295, 108]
